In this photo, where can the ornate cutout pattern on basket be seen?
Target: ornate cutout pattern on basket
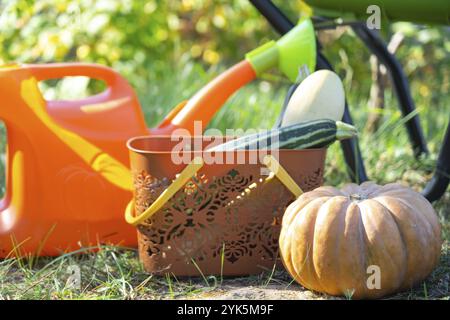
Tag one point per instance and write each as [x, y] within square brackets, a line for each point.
[236, 215]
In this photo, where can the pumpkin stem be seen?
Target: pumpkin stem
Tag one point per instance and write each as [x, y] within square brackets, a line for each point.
[356, 197]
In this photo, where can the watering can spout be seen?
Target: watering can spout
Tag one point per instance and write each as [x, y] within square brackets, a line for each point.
[205, 103]
[291, 52]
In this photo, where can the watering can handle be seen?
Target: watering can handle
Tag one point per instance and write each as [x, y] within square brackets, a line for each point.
[117, 87]
[61, 70]
[197, 163]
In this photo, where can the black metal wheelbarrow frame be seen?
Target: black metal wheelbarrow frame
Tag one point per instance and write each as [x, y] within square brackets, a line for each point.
[437, 186]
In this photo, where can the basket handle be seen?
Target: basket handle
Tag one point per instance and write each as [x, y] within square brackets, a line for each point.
[197, 163]
[273, 165]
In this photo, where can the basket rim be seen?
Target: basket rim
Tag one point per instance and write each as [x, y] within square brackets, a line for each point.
[137, 150]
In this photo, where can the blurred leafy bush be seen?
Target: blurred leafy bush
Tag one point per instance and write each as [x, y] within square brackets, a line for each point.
[148, 40]
[136, 37]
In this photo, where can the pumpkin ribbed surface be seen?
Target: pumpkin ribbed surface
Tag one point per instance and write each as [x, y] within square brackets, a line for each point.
[331, 237]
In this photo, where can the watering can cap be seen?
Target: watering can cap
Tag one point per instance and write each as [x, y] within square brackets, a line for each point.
[295, 49]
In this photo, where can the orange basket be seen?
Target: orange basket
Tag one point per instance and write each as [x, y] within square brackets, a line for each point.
[209, 217]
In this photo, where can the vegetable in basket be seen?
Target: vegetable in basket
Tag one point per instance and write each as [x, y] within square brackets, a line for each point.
[304, 135]
[320, 96]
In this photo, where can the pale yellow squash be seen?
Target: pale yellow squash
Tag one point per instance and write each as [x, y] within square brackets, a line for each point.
[320, 96]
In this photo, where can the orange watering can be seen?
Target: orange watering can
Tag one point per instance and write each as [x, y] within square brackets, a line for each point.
[67, 174]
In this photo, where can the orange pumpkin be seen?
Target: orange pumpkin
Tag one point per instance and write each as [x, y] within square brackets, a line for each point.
[365, 240]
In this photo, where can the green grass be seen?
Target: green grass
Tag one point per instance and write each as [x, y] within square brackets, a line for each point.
[115, 273]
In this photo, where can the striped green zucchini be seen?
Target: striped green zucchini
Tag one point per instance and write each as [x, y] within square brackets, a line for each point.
[304, 135]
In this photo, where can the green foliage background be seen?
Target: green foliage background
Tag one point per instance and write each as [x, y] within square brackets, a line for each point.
[152, 39]
[138, 38]
[169, 49]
